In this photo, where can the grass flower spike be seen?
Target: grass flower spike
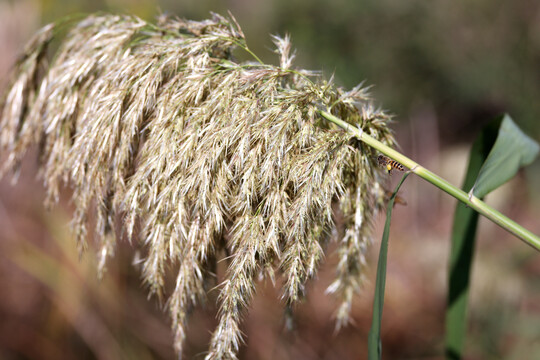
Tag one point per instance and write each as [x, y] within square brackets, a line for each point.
[174, 144]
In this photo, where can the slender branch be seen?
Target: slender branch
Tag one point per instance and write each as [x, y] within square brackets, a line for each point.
[469, 199]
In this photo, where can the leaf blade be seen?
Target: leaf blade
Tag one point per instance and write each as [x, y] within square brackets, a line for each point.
[512, 150]
[496, 156]
[374, 337]
[462, 247]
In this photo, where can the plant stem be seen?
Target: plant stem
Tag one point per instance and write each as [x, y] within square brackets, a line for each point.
[469, 199]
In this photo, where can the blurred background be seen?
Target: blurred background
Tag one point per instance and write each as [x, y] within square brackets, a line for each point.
[444, 68]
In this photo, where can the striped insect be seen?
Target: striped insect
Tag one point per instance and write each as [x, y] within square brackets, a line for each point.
[389, 164]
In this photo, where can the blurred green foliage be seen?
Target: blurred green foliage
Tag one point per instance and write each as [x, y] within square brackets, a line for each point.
[469, 61]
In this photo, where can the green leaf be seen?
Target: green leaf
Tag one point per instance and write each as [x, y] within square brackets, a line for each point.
[512, 150]
[497, 154]
[374, 338]
[462, 251]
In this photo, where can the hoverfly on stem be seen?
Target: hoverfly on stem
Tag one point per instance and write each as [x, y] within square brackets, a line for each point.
[389, 164]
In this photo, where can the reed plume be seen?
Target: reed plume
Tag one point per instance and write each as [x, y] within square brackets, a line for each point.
[167, 140]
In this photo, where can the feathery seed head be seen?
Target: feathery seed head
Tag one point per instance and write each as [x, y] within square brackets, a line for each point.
[159, 125]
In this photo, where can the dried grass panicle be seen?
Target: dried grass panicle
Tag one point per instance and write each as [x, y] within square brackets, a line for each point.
[159, 125]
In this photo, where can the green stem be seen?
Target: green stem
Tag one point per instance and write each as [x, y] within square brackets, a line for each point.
[469, 199]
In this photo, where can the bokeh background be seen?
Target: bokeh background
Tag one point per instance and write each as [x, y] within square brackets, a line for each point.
[444, 68]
